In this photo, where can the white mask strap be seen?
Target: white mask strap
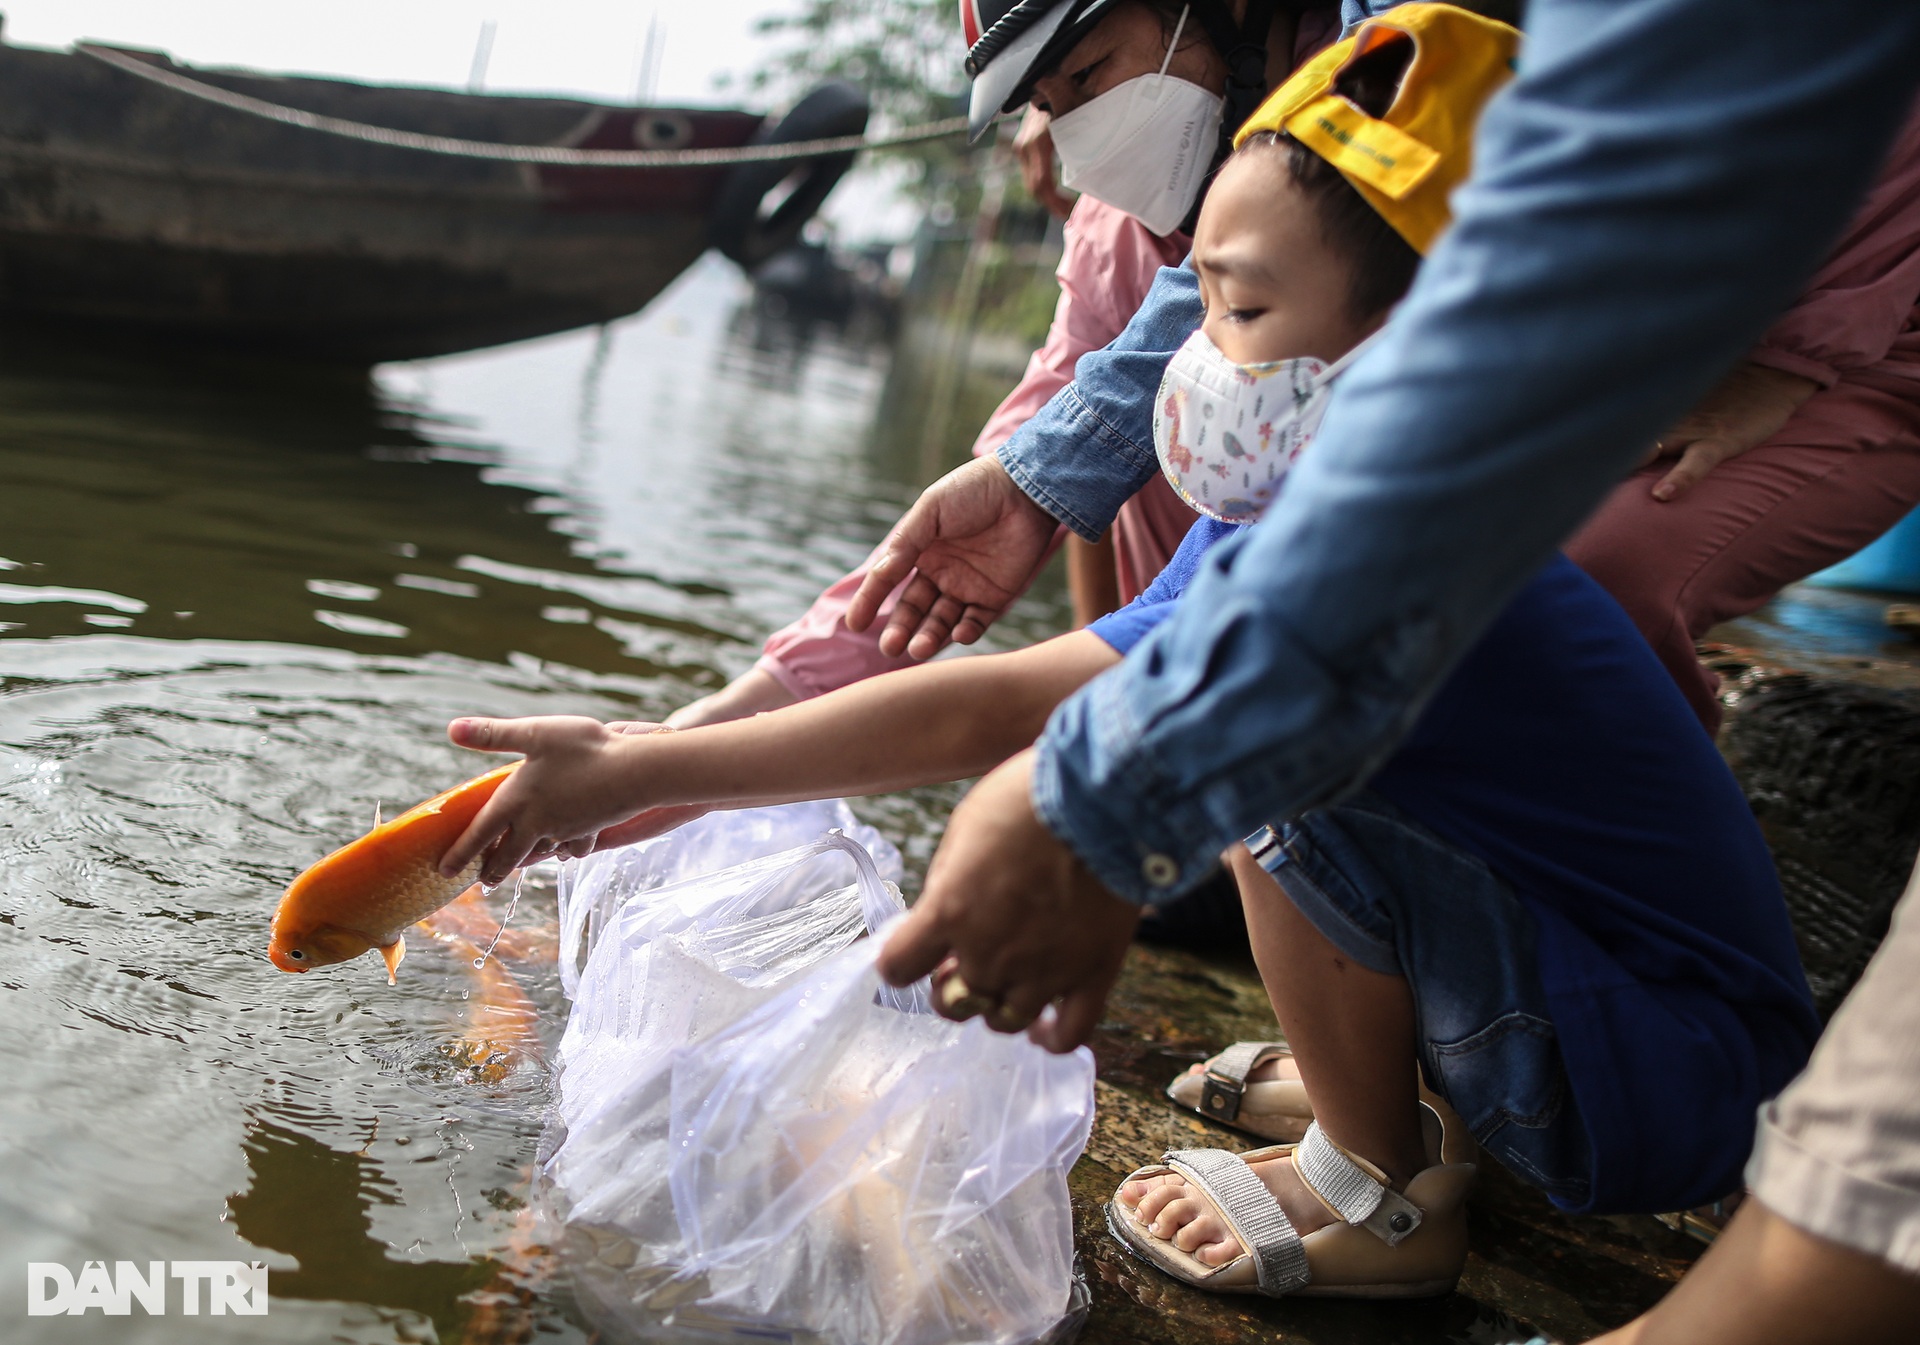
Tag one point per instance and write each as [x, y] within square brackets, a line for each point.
[1339, 366]
[1178, 28]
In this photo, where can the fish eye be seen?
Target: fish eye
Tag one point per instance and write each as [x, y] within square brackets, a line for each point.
[296, 955]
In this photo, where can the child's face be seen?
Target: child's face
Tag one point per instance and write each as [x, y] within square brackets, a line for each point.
[1273, 288]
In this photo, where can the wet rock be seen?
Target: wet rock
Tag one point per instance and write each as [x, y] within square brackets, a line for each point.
[1829, 754]
[1532, 1268]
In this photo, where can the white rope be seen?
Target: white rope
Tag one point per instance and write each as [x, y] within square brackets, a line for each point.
[557, 155]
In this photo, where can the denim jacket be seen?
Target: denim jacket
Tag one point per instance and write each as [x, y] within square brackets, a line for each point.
[1654, 186]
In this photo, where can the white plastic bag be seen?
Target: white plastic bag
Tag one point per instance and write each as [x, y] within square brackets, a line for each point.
[761, 1145]
[877, 1177]
[593, 889]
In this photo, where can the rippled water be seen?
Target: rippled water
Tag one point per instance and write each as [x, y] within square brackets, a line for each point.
[237, 606]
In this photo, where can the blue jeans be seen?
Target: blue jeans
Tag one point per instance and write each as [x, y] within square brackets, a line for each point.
[1400, 900]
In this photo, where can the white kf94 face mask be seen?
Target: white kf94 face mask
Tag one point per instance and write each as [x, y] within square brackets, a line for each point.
[1227, 433]
[1143, 146]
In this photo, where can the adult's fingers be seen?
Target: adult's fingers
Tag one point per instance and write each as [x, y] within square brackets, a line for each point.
[1699, 459]
[914, 614]
[916, 946]
[884, 576]
[935, 628]
[1019, 1010]
[1072, 1023]
[974, 624]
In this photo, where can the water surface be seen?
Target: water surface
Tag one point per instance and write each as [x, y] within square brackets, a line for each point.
[238, 603]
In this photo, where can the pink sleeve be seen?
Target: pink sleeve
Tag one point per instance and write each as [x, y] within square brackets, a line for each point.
[1865, 294]
[1105, 272]
[818, 653]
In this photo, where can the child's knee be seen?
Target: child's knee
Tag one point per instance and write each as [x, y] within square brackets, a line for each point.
[1257, 887]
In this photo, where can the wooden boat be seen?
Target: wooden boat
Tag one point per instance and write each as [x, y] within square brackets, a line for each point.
[127, 202]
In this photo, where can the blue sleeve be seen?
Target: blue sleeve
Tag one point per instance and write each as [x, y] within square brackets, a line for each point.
[1090, 449]
[1127, 627]
[1649, 192]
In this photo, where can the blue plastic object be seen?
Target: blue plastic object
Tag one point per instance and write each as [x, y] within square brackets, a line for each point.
[1889, 565]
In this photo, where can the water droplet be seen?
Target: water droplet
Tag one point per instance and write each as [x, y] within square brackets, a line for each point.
[519, 878]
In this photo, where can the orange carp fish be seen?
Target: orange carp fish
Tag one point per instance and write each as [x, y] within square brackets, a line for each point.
[366, 894]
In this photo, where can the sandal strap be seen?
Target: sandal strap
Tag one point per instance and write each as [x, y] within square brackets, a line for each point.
[1351, 1191]
[1225, 1082]
[1279, 1257]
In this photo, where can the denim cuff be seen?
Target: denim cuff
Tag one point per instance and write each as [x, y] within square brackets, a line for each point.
[1075, 466]
[1147, 842]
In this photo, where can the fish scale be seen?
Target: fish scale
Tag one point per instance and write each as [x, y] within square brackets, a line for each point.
[365, 894]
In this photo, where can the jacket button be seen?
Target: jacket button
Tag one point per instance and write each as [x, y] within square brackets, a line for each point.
[1160, 870]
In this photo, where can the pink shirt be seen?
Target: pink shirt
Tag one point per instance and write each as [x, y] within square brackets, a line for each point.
[1105, 270]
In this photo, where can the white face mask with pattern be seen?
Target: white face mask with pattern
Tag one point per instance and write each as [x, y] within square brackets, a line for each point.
[1143, 146]
[1227, 433]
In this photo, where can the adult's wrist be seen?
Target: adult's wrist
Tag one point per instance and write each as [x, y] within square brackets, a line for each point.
[1077, 468]
[1136, 846]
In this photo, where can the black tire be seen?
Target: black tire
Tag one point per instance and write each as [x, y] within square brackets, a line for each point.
[736, 225]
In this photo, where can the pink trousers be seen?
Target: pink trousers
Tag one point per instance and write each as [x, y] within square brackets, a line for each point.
[1842, 471]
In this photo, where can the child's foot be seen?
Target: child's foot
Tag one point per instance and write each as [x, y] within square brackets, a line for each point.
[1196, 1216]
[1271, 1070]
[1253, 1086]
[1176, 1214]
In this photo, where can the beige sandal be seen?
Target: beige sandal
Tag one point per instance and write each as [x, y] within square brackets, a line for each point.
[1274, 1109]
[1387, 1244]
[1278, 1109]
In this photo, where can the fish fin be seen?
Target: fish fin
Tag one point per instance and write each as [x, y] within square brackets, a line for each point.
[392, 954]
[376, 815]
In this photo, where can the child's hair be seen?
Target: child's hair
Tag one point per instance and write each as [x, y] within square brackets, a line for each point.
[1381, 261]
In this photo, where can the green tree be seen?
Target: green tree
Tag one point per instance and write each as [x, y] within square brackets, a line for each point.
[906, 54]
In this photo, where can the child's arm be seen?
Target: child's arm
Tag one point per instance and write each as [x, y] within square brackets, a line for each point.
[939, 721]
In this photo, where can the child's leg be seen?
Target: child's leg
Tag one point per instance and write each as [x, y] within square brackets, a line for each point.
[1352, 1034]
[1351, 1029]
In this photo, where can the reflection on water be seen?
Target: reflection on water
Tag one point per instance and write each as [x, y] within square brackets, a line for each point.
[237, 606]
[314, 1204]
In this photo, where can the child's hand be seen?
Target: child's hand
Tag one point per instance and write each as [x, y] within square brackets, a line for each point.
[654, 821]
[578, 779]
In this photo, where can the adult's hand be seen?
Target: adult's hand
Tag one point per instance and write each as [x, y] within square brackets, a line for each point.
[1743, 411]
[972, 542]
[1033, 147]
[1021, 920]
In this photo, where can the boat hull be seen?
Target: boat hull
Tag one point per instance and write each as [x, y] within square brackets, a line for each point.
[128, 204]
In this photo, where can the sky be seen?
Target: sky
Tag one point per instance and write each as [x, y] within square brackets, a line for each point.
[589, 47]
[592, 48]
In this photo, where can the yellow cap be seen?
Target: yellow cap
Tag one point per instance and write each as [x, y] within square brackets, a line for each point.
[1407, 163]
